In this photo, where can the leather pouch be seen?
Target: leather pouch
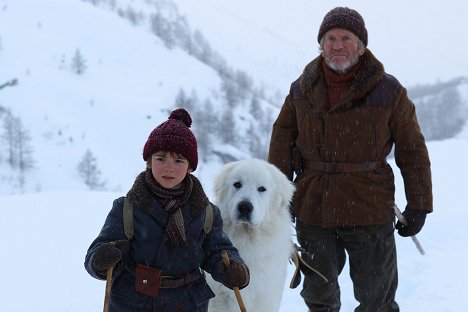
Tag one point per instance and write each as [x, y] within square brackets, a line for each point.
[147, 280]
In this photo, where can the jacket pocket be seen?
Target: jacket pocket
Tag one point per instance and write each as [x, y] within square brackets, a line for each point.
[147, 280]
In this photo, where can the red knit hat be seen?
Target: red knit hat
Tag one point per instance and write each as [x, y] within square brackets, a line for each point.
[175, 136]
[344, 18]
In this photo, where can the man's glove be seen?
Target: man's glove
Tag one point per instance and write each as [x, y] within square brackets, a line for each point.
[236, 275]
[105, 257]
[415, 219]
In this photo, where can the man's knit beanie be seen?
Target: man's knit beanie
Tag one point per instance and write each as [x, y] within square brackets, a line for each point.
[174, 136]
[345, 18]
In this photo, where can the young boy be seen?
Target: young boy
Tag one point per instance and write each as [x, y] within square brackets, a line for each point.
[162, 267]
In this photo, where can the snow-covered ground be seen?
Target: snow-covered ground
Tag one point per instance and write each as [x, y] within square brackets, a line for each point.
[46, 235]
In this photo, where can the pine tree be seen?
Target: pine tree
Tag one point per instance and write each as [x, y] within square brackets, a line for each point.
[205, 127]
[227, 127]
[256, 109]
[256, 146]
[183, 101]
[163, 29]
[78, 63]
[89, 172]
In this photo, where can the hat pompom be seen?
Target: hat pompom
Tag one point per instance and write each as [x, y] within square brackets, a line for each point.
[182, 115]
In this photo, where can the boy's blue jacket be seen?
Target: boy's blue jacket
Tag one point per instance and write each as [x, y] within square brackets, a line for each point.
[151, 246]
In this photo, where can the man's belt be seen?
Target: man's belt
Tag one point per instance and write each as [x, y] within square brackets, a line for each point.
[176, 282]
[343, 167]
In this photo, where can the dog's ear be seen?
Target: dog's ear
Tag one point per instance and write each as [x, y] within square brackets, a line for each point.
[220, 188]
[285, 188]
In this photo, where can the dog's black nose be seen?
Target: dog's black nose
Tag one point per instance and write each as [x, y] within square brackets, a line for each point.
[245, 209]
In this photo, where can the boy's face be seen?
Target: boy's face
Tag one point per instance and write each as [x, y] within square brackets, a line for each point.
[169, 169]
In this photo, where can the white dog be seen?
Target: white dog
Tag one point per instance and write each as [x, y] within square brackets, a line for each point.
[254, 198]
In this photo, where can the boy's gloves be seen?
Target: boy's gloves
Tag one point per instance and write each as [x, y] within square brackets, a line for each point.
[415, 219]
[105, 257]
[236, 275]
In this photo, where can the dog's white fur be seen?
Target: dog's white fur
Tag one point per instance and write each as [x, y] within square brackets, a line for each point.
[254, 198]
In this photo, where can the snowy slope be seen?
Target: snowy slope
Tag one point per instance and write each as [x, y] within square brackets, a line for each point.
[410, 38]
[130, 82]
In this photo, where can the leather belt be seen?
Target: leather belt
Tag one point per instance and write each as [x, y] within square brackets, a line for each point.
[342, 167]
[176, 282]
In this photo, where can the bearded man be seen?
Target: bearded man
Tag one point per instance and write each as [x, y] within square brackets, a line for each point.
[337, 126]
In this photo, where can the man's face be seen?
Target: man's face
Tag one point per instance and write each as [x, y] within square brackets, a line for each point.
[341, 49]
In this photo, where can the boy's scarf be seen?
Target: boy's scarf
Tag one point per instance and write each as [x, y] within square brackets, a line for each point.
[172, 200]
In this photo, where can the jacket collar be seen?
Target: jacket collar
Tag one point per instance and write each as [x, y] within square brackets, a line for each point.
[312, 81]
[142, 198]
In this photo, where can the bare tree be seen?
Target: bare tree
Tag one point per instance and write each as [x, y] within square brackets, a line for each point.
[18, 145]
[17, 142]
[24, 152]
[24, 148]
[8, 137]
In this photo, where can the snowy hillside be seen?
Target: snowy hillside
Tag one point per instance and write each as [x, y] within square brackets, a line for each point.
[130, 81]
[131, 78]
[410, 38]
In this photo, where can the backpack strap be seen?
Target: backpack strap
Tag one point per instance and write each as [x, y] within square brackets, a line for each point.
[208, 218]
[128, 218]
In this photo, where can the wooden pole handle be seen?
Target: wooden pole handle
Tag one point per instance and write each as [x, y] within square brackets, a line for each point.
[227, 263]
[108, 287]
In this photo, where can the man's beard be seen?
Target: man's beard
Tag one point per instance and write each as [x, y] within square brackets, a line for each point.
[343, 68]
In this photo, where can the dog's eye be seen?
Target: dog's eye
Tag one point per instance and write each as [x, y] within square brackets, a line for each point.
[261, 189]
[237, 185]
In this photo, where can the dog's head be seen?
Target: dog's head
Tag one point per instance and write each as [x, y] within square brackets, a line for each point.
[249, 191]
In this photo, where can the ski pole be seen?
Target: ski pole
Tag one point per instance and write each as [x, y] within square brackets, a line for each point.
[227, 262]
[108, 287]
[402, 219]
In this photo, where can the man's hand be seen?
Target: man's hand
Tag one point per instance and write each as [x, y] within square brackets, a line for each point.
[415, 221]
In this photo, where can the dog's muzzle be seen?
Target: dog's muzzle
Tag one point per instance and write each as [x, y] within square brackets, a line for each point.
[244, 210]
